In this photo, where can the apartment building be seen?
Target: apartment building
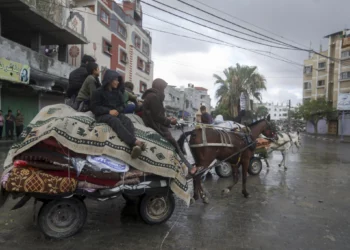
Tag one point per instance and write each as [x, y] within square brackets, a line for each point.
[116, 39]
[277, 111]
[34, 38]
[327, 75]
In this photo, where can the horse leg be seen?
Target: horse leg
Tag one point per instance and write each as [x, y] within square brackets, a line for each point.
[284, 161]
[196, 187]
[235, 175]
[282, 152]
[245, 166]
[203, 195]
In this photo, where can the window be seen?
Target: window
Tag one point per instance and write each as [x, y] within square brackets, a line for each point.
[140, 63]
[284, 114]
[143, 87]
[307, 70]
[145, 48]
[321, 65]
[104, 16]
[137, 42]
[121, 30]
[123, 56]
[274, 114]
[148, 68]
[345, 75]
[345, 54]
[91, 7]
[307, 85]
[321, 83]
[107, 47]
[280, 115]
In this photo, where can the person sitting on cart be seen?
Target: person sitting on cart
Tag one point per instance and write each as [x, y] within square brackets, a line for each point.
[91, 83]
[205, 117]
[107, 103]
[154, 117]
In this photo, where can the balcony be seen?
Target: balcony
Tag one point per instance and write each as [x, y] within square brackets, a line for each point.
[44, 71]
[20, 19]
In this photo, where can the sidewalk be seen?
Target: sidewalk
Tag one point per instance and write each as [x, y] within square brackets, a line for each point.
[6, 143]
[332, 138]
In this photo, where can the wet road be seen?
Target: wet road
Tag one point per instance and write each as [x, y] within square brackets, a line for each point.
[305, 207]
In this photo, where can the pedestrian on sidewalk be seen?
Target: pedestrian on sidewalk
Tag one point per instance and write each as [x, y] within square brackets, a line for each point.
[1, 124]
[10, 125]
[19, 123]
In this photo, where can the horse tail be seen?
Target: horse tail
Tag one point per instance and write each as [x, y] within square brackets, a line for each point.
[182, 139]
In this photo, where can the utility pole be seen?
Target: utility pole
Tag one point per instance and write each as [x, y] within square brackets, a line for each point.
[289, 104]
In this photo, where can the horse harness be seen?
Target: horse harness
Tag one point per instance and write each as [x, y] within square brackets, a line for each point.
[226, 140]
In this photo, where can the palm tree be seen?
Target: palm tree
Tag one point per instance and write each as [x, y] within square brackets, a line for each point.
[240, 79]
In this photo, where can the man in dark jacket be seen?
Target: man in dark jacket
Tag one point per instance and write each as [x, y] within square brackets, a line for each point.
[78, 76]
[107, 103]
[154, 116]
[205, 117]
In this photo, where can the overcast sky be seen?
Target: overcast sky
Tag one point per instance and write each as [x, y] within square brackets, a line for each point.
[181, 61]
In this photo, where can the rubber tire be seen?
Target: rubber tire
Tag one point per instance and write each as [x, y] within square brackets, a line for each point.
[46, 209]
[143, 208]
[254, 160]
[220, 172]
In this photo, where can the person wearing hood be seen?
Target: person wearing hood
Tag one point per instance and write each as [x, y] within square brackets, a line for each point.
[130, 98]
[154, 116]
[77, 77]
[107, 104]
[91, 83]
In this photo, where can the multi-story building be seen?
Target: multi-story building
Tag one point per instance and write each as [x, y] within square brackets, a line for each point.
[327, 75]
[278, 111]
[116, 39]
[34, 37]
[186, 102]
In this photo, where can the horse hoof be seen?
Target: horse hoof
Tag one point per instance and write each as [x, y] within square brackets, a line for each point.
[225, 191]
[206, 200]
[246, 194]
[192, 201]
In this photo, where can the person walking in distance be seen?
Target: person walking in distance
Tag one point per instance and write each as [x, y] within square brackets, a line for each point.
[1, 124]
[10, 125]
[19, 123]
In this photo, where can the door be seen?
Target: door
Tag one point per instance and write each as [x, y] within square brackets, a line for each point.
[333, 127]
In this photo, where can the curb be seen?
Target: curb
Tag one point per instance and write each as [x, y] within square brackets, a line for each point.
[325, 139]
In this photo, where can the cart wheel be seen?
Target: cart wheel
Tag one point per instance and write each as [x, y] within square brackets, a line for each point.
[224, 170]
[255, 166]
[156, 209]
[130, 199]
[62, 218]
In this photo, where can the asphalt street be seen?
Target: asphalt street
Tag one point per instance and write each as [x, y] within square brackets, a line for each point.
[303, 207]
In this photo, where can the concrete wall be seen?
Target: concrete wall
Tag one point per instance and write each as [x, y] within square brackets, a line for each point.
[322, 127]
[346, 125]
[41, 66]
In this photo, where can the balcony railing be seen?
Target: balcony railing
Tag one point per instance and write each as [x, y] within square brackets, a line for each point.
[54, 10]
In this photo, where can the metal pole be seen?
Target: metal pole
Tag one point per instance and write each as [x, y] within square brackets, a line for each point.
[342, 125]
[289, 104]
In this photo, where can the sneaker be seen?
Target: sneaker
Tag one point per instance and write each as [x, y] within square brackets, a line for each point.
[135, 152]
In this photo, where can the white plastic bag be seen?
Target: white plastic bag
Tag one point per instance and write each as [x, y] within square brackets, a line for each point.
[108, 163]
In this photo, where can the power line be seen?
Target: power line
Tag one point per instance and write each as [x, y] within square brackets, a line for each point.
[220, 31]
[203, 19]
[220, 40]
[228, 14]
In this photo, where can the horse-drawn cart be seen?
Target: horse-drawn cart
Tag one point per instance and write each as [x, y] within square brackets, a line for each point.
[224, 169]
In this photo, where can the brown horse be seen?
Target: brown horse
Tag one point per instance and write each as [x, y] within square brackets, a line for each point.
[237, 148]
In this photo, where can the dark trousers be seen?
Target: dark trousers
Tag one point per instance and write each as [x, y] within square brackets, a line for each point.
[122, 125]
[1, 128]
[19, 130]
[240, 117]
[9, 131]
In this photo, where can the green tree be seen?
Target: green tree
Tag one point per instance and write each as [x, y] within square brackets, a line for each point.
[222, 110]
[261, 111]
[314, 111]
[238, 79]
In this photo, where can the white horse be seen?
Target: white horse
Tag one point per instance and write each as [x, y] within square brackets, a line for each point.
[283, 143]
